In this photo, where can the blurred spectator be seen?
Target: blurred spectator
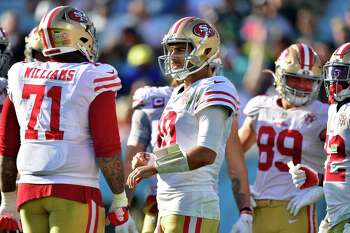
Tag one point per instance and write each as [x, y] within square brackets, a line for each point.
[10, 22]
[142, 67]
[306, 25]
[341, 28]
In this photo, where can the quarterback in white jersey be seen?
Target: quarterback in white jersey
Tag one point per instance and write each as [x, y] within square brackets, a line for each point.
[59, 127]
[148, 104]
[287, 127]
[336, 182]
[192, 131]
[179, 125]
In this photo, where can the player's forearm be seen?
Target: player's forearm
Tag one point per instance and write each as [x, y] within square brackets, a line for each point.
[130, 152]
[200, 156]
[238, 173]
[8, 174]
[240, 190]
[112, 169]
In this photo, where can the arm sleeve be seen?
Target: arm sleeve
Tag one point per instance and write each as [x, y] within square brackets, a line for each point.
[140, 132]
[211, 123]
[9, 130]
[104, 125]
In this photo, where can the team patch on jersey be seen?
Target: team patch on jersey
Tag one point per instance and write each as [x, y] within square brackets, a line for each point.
[309, 118]
[342, 119]
[158, 102]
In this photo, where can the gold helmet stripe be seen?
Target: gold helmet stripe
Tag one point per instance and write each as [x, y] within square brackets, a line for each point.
[47, 21]
[178, 23]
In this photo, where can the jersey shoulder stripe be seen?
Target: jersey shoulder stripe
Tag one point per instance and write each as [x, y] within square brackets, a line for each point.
[217, 90]
[104, 77]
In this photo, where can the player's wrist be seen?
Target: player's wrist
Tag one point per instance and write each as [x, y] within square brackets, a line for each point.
[246, 210]
[171, 159]
[119, 200]
[8, 199]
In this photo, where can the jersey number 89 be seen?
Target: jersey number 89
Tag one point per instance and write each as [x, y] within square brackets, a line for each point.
[267, 146]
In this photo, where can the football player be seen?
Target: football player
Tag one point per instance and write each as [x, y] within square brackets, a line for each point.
[288, 126]
[192, 131]
[335, 181]
[59, 122]
[148, 104]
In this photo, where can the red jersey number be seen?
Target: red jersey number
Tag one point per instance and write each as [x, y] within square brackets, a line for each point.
[335, 143]
[166, 130]
[266, 143]
[54, 93]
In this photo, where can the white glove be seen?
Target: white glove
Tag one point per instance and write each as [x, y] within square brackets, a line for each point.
[346, 228]
[244, 224]
[323, 228]
[9, 217]
[303, 176]
[310, 196]
[118, 215]
[128, 227]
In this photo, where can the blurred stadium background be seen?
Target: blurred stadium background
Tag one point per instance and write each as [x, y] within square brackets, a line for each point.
[253, 33]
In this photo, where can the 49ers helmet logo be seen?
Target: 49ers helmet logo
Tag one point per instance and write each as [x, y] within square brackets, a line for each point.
[203, 29]
[78, 16]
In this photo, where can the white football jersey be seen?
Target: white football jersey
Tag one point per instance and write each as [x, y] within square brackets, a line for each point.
[337, 173]
[152, 101]
[52, 103]
[193, 193]
[284, 135]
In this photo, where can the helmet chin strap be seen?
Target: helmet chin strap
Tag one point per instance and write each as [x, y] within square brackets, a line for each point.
[207, 62]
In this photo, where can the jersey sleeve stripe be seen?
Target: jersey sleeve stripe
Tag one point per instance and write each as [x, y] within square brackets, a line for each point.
[103, 79]
[222, 93]
[107, 86]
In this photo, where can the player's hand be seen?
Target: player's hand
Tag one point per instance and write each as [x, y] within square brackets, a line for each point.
[9, 217]
[302, 199]
[303, 176]
[140, 173]
[118, 215]
[244, 224]
[323, 227]
[128, 227]
[142, 159]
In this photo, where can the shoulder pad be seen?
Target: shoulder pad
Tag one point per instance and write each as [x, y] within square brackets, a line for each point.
[105, 77]
[255, 104]
[151, 97]
[217, 90]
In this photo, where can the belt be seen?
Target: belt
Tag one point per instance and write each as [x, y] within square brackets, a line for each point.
[271, 203]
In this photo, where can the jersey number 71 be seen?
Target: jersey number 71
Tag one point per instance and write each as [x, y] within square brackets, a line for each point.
[54, 93]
